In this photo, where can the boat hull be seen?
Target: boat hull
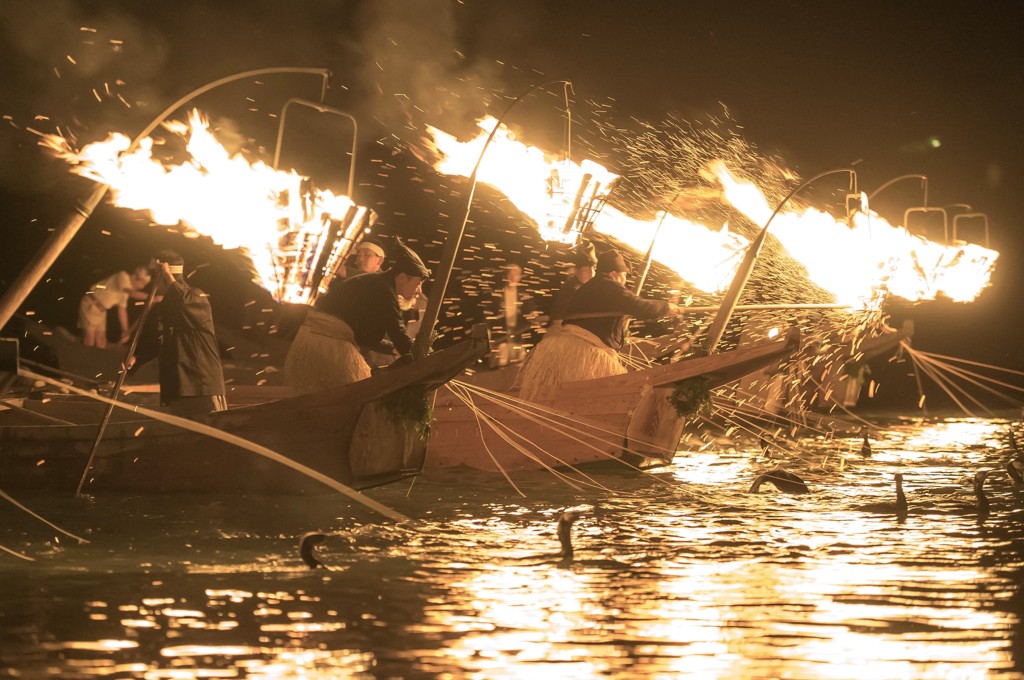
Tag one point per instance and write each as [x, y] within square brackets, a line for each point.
[480, 422]
[358, 434]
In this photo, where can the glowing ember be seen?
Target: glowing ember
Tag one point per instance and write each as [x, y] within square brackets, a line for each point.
[292, 232]
[564, 201]
[525, 174]
[703, 257]
[856, 262]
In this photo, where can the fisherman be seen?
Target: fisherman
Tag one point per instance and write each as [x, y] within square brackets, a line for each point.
[114, 291]
[355, 314]
[191, 375]
[368, 258]
[584, 259]
[593, 330]
[510, 305]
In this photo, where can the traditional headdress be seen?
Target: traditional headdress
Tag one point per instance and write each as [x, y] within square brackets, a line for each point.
[407, 261]
[174, 260]
[373, 245]
[611, 261]
[585, 255]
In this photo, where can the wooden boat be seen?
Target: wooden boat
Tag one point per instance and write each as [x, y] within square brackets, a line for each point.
[363, 434]
[630, 417]
[68, 354]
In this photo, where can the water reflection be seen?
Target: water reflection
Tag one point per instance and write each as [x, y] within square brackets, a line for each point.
[685, 575]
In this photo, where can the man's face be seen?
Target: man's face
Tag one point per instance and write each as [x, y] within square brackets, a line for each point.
[140, 278]
[368, 261]
[408, 286]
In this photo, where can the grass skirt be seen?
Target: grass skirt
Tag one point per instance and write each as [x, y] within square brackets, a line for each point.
[569, 355]
[324, 354]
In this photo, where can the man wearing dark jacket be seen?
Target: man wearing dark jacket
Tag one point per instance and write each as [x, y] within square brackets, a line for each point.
[354, 315]
[603, 305]
[593, 331]
[584, 260]
[191, 376]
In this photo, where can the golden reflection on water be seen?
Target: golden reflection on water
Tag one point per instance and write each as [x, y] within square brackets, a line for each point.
[696, 578]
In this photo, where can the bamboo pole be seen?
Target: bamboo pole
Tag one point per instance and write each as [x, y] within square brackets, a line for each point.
[781, 305]
[638, 286]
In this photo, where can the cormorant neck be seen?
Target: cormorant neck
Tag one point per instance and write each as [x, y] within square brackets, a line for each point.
[565, 537]
[901, 499]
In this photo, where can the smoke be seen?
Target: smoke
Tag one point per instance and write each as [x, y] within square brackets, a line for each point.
[91, 68]
[68, 70]
[416, 68]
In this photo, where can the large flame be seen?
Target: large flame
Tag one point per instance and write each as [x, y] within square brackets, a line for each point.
[526, 175]
[281, 223]
[858, 263]
[569, 194]
[294, 234]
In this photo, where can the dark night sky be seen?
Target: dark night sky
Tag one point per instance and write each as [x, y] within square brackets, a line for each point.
[822, 85]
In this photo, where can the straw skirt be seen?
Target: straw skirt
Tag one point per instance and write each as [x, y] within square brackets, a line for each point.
[324, 354]
[569, 355]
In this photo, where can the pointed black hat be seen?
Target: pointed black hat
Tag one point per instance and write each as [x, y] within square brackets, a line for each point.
[407, 261]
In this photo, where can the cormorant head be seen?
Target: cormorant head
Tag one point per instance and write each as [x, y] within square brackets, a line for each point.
[306, 547]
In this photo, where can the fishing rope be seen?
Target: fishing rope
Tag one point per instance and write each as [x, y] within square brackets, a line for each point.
[565, 428]
[506, 432]
[930, 372]
[948, 385]
[516, 406]
[551, 415]
[496, 423]
[972, 363]
[967, 375]
[468, 401]
[976, 380]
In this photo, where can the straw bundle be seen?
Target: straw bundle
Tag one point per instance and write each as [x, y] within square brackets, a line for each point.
[324, 354]
[567, 356]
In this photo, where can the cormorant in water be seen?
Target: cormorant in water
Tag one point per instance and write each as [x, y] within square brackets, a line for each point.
[898, 508]
[307, 546]
[565, 523]
[566, 556]
[783, 480]
[1015, 469]
[865, 447]
[979, 491]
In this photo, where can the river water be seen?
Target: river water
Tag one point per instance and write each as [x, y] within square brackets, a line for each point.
[676, 573]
